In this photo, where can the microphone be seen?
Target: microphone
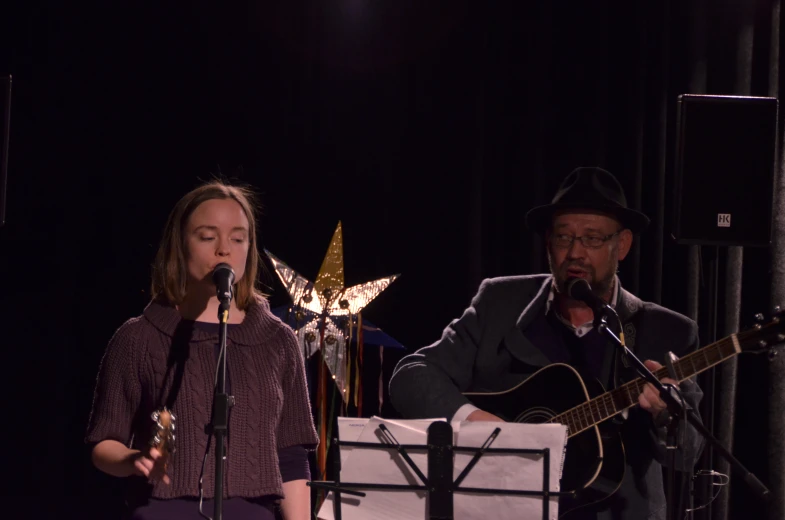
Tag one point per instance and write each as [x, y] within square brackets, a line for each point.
[223, 278]
[580, 290]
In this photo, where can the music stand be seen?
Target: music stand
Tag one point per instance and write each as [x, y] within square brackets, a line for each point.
[438, 484]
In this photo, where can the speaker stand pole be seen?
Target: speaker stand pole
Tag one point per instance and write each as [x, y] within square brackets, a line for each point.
[704, 489]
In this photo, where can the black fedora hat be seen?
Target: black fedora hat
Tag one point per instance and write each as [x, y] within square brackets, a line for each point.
[588, 189]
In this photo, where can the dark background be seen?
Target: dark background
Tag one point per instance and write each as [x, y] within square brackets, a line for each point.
[427, 128]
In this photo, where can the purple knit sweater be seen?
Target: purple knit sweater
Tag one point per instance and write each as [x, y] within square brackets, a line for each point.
[159, 357]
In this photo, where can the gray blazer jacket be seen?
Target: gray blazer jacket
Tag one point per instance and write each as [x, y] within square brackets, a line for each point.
[476, 353]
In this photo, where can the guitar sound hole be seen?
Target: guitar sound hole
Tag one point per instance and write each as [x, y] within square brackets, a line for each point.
[536, 415]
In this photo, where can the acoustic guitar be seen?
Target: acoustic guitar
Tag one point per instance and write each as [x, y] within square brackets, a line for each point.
[594, 465]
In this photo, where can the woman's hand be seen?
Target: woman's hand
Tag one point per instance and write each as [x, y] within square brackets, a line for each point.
[151, 465]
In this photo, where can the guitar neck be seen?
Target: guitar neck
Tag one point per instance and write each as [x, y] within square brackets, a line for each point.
[609, 404]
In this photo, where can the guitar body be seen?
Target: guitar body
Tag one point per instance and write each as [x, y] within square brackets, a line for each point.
[594, 464]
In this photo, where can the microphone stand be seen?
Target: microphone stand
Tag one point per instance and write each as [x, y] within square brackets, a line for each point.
[675, 407]
[221, 404]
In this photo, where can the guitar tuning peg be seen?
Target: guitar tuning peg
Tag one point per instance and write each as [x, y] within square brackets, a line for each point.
[777, 309]
[772, 354]
[759, 317]
[780, 337]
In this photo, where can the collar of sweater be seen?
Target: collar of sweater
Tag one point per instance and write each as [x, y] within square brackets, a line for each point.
[258, 323]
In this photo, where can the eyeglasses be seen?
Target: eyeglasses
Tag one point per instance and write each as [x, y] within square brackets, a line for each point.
[589, 241]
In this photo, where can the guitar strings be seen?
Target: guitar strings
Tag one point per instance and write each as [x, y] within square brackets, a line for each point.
[576, 417]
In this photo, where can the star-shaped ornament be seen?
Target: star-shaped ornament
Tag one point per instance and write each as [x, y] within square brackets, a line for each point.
[324, 309]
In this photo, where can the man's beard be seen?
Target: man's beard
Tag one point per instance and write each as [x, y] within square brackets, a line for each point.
[599, 287]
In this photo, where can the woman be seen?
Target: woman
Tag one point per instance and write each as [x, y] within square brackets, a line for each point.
[166, 359]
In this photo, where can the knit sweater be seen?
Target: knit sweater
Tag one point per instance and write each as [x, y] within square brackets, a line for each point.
[159, 359]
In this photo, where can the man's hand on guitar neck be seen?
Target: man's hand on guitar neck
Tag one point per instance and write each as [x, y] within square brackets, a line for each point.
[650, 399]
[481, 415]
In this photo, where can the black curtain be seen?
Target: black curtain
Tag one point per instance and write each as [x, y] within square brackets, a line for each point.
[428, 129]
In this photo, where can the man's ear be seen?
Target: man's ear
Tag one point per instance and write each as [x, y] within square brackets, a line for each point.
[625, 243]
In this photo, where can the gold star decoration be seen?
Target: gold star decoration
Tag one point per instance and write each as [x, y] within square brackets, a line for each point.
[324, 304]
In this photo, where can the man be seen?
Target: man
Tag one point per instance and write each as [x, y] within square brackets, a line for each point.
[517, 325]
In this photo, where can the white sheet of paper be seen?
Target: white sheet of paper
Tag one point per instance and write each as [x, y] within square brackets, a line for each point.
[350, 429]
[498, 471]
[509, 471]
[375, 466]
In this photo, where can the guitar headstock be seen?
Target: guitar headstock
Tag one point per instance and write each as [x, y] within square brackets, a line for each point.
[765, 337]
[163, 433]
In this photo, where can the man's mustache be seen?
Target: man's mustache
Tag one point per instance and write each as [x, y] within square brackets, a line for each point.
[566, 266]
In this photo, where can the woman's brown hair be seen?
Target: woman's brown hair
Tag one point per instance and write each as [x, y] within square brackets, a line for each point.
[169, 268]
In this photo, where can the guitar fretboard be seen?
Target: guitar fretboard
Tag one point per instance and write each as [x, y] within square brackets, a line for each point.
[605, 406]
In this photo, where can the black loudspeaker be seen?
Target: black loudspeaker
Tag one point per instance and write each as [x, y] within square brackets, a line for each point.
[725, 157]
[5, 130]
